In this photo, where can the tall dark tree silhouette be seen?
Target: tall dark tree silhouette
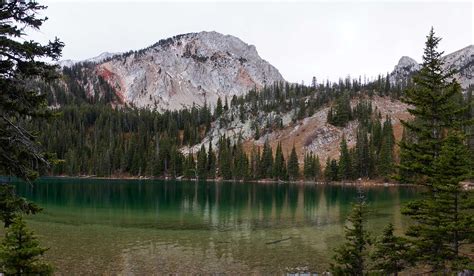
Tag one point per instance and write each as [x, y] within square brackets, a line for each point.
[22, 61]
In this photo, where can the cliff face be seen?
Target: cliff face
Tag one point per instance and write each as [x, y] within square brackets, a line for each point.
[462, 61]
[186, 69]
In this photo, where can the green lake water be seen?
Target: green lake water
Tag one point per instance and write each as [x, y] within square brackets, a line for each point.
[147, 227]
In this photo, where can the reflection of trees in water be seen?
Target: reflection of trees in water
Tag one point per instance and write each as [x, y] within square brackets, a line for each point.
[217, 205]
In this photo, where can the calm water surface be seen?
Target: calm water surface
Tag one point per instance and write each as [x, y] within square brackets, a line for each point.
[153, 227]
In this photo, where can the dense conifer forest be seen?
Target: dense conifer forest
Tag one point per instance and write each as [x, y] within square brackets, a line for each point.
[94, 135]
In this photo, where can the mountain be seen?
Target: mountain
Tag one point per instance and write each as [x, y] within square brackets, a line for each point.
[181, 71]
[462, 61]
[405, 68]
[97, 59]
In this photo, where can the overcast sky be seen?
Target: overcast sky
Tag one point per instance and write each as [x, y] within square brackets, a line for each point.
[301, 39]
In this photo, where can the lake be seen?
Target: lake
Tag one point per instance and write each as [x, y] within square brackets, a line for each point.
[148, 226]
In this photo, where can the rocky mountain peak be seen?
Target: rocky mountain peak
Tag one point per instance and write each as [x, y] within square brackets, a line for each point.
[406, 62]
[187, 69]
[462, 61]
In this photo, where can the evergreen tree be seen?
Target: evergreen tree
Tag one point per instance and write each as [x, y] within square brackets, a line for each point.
[20, 252]
[386, 159]
[445, 218]
[387, 84]
[202, 163]
[225, 159]
[279, 166]
[190, 166]
[342, 113]
[266, 163]
[21, 62]
[391, 253]
[255, 163]
[293, 165]
[226, 105]
[308, 167]
[316, 168]
[362, 154]
[211, 161]
[434, 106]
[345, 162]
[218, 110]
[350, 258]
[442, 219]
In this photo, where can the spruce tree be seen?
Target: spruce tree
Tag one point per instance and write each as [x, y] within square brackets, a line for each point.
[390, 255]
[316, 168]
[211, 161]
[22, 61]
[444, 217]
[201, 166]
[308, 166]
[386, 159]
[218, 110]
[279, 165]
[345, 162]
[293, 165]
[433, 103]
[20, 252]
[437, 159]
[350, 258]
[266, 163]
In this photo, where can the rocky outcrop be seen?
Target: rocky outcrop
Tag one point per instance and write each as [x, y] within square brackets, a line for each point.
[186, 69]
[462, 61]
[404, 69]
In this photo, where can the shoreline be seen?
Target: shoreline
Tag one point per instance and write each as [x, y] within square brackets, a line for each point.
[361, 183]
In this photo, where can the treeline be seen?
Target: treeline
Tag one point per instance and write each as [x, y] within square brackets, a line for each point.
[371, 157]
[94, 138]
[103, 141]
[232, 162]
[100, 140]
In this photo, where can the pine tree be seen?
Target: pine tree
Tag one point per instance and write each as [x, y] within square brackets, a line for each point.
[211, 161]
[316, 168]
[350, 258]
[434, 106]
[279, 166]
[391, 253]
[226, 104]
[218, 110]
[387, 84]
[386, 159]
[201, 166]
[20, 252]
[308, 167]
[327, 170]
[293, 165]
[22, 61]
[266, 163]
[342, 113]
[190, 166]
[345, 162]
[445, 218]
[225, 159]
[439, 163]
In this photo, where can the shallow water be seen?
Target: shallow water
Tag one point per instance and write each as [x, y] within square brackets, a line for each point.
[153, 227]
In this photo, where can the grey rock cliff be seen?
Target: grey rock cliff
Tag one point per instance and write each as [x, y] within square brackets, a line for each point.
[462, 61]
[187, 69]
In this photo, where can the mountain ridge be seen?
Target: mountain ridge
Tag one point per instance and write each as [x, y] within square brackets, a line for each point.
[187, 69]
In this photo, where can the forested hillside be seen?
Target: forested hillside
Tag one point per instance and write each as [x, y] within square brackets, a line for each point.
[330, 131]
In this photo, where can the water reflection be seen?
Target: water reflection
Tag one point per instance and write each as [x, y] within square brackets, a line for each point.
[203, 205]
